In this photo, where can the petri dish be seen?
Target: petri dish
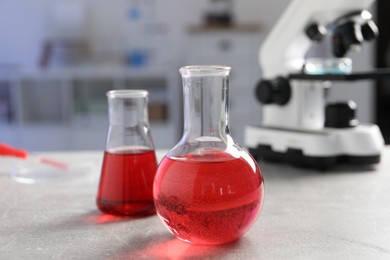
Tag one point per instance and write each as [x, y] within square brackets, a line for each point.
[32, 171]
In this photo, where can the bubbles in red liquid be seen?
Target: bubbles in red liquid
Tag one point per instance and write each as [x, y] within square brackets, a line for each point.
[209, 199]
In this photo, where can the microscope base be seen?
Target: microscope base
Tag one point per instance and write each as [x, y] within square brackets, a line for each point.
[321, 149]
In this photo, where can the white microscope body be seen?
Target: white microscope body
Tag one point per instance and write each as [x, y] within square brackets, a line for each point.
[295, 127]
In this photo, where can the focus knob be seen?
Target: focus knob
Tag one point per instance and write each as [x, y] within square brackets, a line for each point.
[341, 115]
[275, 91]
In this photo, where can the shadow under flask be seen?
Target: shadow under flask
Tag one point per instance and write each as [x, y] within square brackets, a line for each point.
[207, 189]
[129, 162]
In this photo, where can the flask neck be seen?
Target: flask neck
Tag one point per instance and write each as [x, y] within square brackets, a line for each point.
[128, 111]
[128, 119]
[206, 104]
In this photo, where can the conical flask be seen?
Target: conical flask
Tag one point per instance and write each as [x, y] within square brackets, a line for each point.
[129, 163]
[207, 189]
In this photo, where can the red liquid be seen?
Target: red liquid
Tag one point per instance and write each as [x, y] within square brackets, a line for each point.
[126, 183]
[211, 199]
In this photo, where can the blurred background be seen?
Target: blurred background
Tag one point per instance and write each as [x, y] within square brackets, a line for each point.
[59, 57]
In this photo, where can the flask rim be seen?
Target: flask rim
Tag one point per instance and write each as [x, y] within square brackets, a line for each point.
[127, 93]
[205, 70]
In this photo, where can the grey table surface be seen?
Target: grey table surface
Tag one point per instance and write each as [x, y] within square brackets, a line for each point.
[339, 214]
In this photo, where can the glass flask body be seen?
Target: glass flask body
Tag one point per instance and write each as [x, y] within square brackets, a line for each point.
[207, 189]
[129, 162]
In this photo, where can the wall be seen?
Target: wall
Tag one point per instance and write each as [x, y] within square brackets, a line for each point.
[24, 23]
[23, 28]
[21, 31]
[246, 11]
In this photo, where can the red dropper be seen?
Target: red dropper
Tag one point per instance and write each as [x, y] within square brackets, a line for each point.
[7, 150]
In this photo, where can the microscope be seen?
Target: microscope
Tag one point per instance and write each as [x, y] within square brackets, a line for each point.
[298, 126]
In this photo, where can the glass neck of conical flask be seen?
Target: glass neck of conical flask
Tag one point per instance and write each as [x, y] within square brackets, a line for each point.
[128, 118]
[128, 108]
[205, 102]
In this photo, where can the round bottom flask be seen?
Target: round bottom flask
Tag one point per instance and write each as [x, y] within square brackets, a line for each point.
[207, 189]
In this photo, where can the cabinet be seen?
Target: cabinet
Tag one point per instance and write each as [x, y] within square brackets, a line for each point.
[235, 46]
[67, 109]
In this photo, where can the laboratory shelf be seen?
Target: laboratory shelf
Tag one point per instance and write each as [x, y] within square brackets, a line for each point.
[67, 109]
[235, 46]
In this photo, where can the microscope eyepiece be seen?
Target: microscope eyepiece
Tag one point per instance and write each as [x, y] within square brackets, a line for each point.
[345, 36]
[370, 30]
[351, 30]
